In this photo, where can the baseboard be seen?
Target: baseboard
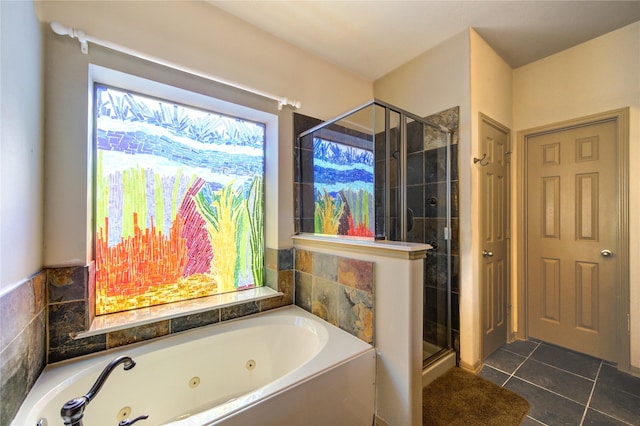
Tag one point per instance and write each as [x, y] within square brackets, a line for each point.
[377, 421]
[474, 368]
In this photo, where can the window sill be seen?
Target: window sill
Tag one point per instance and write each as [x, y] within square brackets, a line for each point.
[123, 320]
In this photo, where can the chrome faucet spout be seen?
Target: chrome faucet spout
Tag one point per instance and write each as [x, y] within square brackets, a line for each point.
[73, 411]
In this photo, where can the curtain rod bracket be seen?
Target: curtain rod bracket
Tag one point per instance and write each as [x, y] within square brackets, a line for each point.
[284, 102]
[60, 29]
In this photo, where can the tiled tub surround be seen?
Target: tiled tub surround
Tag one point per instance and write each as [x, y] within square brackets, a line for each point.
[337, 289]
[39, 318]
[327, 380]
[71, 310]
[22, 342]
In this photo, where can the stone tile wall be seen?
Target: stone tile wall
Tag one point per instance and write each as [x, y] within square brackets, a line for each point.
[337, 289]
[71, 309]
[22, 343]
[39, 318]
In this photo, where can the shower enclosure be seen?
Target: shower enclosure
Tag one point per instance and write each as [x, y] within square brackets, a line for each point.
[381, 172]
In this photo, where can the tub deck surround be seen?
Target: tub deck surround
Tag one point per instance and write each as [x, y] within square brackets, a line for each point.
[239, 372]
[397, 323]
[74, 330]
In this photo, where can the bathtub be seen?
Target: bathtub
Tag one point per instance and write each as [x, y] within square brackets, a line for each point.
[281, 367]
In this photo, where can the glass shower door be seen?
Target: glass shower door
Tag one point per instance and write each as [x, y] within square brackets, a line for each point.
[419, 196]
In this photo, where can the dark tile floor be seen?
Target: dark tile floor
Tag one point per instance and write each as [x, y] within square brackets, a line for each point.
[564, 387]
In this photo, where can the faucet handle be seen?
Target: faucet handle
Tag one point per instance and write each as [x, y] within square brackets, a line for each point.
[128, 422]
[73, 410]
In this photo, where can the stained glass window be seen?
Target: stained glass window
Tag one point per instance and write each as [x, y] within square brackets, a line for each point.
[178, 201]
[343, 187]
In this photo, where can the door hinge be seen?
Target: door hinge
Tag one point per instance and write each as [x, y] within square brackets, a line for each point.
[446, 233]
[628, 323]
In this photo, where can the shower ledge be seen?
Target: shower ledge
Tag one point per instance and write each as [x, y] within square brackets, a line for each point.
[398, 249]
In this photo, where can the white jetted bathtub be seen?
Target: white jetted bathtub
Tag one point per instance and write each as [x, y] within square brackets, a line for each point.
[282, 367]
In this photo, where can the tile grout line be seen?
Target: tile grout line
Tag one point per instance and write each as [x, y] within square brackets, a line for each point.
[612, 416]
[520, 365]
[514, 372]
[549, 390]
[537, 421]
[563, 370]
[587, 405]
[593, 388]
[535, 384]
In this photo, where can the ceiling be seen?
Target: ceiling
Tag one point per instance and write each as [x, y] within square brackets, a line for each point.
[372, 38]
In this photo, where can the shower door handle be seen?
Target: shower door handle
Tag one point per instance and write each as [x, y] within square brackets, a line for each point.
[410, 217]
[487, 253]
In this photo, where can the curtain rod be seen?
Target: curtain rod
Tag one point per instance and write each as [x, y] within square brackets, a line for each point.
[85, 39]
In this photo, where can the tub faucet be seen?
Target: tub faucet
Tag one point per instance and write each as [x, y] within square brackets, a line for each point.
[129, 422]
[73, 411]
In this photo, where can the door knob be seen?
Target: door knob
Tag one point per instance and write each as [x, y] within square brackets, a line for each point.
[606, 253]
[488, 253]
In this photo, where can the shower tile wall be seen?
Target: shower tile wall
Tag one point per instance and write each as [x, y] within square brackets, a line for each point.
[22, 342]
[337, 289]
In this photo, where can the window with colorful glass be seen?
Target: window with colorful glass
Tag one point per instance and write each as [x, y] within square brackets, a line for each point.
[179, 201]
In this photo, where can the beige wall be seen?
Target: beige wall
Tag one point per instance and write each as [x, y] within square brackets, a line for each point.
[597, 76]
[491, 95]
[21, 144]
[193, 35]
[434, 81]
[600, 75]
[206, 39]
